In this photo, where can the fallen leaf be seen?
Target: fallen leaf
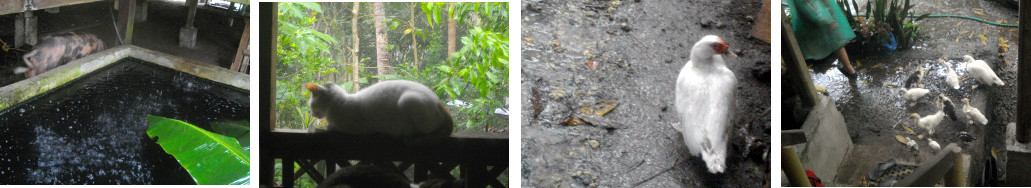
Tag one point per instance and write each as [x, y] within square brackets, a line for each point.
[995, 152]
[959, 23]
[892, 86]
[858, 63]
[529, 39]
[864, 82]
[979, 12]
[599, 109]
[964, 32]
[877, 65]
[901, 139]
[572, 121]
[984, 43]
[982, 36]
[908, 130]
[957, 39]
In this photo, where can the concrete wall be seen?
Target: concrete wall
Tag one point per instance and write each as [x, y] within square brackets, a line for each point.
[13, 94]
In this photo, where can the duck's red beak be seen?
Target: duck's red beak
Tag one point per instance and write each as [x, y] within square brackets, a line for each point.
[723, 48]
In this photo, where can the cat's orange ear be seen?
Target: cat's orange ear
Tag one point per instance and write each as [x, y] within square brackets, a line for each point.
[311, 87]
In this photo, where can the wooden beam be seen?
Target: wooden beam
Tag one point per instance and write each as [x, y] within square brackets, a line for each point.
[947, 164]
[16, 6]
[797, 71]
[1024, 73]
[192, 13]
[267, 59]
[287, 169]
[461, 147]
[242, 50]
[126, 14]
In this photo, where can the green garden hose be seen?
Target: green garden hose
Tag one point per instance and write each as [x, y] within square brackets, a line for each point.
[958, 16]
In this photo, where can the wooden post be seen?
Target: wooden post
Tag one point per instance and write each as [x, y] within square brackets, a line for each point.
[192, 14]
[796, 68]
[267, 56]
[793, 168]
[287, 172]
[1024, 73]
[242, 59]
[126, 14]
[421, 173]
[476, 174]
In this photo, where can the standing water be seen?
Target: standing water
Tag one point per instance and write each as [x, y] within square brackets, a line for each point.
[93, 130]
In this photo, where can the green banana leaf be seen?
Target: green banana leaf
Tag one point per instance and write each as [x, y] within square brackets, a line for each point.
[240, 130]
[211, 159]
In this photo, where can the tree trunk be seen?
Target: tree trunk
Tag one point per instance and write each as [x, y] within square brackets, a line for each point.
[415, 45]
[354, 49]
[382, 61]
[450, 32]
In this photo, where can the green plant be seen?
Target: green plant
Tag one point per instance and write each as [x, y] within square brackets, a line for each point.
[478, 72]
[883, 17]
[211, 159]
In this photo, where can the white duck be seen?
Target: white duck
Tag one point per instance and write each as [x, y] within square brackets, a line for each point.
[950, 75]
[930, 121]
[704, 99]
[973, 114]
[914, 94]
[980, 71]
[934, 145]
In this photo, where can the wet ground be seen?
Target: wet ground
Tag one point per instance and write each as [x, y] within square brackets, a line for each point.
[217, 40]
[93, 130]
[640, 47]
[872, 104]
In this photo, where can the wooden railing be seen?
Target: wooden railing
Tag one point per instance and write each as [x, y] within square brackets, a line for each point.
[481, 157]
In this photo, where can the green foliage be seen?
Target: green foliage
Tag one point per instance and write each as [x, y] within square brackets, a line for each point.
[302, 52]
[884, 16]
[240, 130]
[211, 159]
[480, 75]
[478, 72]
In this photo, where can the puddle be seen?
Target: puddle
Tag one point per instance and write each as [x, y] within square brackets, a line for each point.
[93, 130]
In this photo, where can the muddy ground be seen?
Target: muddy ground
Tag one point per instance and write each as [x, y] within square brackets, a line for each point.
[640, 47]
[872, 105]
[217, 40]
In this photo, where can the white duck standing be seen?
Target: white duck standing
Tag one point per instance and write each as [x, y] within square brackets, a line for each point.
[950, 75]
[704, 99]
[973, 114]
[980, 71]
[914, 94]
[930, 121]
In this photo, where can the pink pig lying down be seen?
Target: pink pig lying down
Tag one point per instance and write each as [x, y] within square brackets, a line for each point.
[58, 49]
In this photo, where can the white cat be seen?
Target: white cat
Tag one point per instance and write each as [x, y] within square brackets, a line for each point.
[402, 109]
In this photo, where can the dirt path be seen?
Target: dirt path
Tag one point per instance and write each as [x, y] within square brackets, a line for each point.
[640, 47]
[871, 105]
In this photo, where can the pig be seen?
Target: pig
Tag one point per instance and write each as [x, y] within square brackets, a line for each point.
[58, 49]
